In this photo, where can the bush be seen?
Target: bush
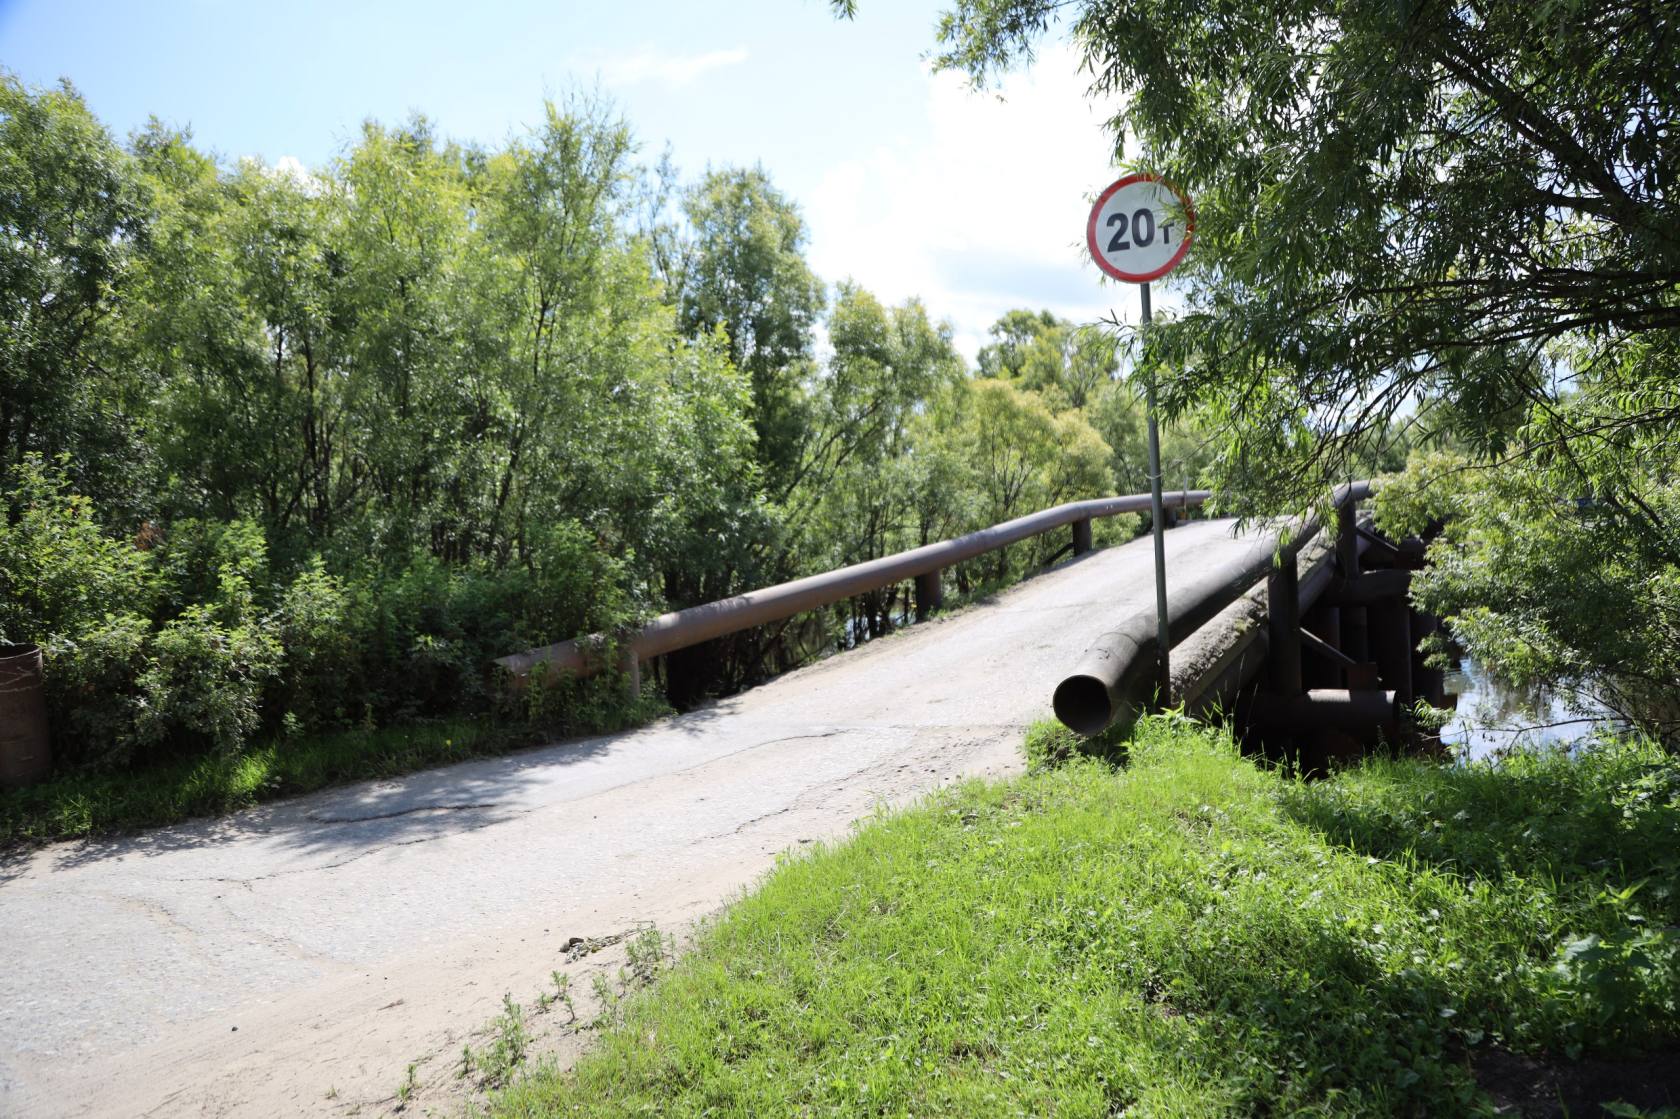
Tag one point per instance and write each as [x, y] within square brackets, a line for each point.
[312, 692]
[203, 681]
[196, 647]
[92, 695]
[58, 570]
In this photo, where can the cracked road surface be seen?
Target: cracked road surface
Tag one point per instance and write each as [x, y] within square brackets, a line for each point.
[252, 965]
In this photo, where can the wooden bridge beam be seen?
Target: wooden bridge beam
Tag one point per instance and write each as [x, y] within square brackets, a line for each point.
[1283, 621]
[1355, 640]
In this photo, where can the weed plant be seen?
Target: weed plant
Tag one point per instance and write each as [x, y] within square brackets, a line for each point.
[496, 1063]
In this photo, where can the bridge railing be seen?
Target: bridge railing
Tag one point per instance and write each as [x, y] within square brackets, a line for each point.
[681, 628]
[1117, 677]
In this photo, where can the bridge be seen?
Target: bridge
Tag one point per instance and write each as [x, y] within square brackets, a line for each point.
[250, 965]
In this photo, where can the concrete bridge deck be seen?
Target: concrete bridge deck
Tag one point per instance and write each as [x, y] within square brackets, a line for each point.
[253, 964]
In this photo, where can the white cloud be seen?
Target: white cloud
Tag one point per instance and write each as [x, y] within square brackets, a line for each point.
[990, 214]
[649, 65]
[290, 168]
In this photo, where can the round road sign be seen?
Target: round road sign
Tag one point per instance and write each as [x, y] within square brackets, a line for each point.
[1140, 228]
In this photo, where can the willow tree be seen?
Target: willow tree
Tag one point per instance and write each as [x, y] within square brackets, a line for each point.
[70, 210]
[746, 274]
[1419, 211]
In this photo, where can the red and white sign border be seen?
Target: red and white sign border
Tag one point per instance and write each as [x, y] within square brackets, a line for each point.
[1096, 209]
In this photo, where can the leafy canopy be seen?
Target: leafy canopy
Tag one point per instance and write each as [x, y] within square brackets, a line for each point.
[1425, 212]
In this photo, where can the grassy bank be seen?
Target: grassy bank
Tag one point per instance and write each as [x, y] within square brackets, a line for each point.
[1188, 935]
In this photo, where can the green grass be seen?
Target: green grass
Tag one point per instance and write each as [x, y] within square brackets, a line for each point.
[1190, 935]
[80, 804]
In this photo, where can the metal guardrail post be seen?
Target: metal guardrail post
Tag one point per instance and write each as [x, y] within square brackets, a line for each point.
[1081, 537]
[930, 593]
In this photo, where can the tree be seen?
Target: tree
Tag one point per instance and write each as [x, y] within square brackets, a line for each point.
[746, 275]
[1549, 594]
[855, 494]
[1050, 356]
[1472, 204]
[70, 213]
[1019, 455]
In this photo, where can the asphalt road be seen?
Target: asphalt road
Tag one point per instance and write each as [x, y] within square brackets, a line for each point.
[260, 963]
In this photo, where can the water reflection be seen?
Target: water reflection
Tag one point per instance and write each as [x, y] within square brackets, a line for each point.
[1493, 717]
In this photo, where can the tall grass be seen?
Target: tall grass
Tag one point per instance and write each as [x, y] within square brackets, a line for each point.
[1188, 935]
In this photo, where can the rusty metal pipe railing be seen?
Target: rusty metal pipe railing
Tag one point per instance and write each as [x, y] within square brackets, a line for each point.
[682, 628]
[1111, 683]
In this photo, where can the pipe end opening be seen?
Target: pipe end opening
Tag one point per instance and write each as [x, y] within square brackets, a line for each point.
[1082, 704]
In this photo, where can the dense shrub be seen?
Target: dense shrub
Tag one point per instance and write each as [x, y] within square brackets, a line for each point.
[196, 645]
[58, 568]
[202, 681]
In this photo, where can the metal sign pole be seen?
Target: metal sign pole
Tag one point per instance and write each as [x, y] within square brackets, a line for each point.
[1158, 515]
[1138, 230]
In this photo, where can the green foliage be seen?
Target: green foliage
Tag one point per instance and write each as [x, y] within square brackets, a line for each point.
[494, 1064]
[745, 274]
[1050, 356]
[71, 215]
[58, 568]
[1582, 850]
[285, 452]
[1025, 457]
[1393, 203]
[1048, 744]
[93, 697]
[1190, 935]
[204, 678]
[1577, 596]
[130, 667]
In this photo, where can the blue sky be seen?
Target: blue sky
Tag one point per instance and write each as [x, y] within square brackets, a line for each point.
[912, 183]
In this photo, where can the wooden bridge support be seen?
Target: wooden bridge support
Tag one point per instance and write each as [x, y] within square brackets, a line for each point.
[1354, 640]
[1391, 645]
[1341, 671]
[1323, 622]
[1283, 626]
[1329, 674]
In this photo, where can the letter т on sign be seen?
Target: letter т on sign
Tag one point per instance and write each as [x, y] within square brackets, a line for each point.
[1140, 228]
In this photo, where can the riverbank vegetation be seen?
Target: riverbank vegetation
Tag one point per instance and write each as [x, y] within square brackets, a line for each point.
[288, 455]
[1189, 934]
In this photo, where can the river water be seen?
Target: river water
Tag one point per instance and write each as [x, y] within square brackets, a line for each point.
[1493, 717]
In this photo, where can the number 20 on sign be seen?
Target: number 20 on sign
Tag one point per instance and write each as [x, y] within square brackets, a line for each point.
[1140, 228]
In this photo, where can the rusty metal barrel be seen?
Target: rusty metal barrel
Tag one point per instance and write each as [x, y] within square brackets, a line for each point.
[25, 751]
